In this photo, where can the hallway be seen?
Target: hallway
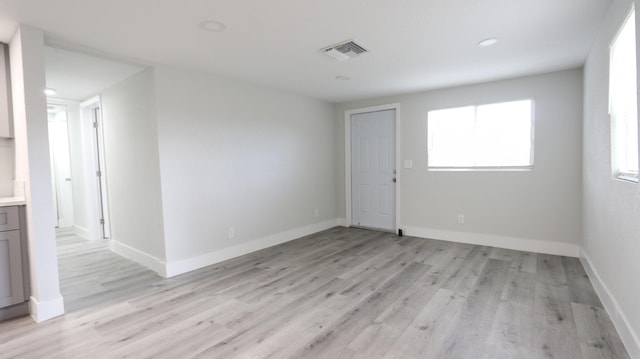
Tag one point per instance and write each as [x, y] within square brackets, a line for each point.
[91, 275]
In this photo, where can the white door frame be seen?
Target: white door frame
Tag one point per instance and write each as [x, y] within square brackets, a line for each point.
[347, 158]
[97, 200]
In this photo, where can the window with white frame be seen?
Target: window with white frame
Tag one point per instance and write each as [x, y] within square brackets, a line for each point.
[623, 106]
[491, 136]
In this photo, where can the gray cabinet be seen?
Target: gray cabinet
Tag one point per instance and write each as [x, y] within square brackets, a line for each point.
[6, 112]
[12, 276]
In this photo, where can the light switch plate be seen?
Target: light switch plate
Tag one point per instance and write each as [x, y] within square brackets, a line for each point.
[408, 163]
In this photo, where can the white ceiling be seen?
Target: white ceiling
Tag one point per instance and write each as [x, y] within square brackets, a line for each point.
[414, 44]
[77, 76]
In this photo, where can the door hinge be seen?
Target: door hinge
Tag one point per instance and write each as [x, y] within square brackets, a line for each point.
[99, 173]
[95, 124]
[101, 221]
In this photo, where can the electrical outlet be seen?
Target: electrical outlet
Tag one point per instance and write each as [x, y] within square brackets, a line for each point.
[231, 233]
[461, 219]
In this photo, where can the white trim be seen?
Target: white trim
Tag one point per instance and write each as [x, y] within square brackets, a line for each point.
[138, 256]
[343, 222]
[619, 319]
[207, 259]
[347, 165]
[532, 118]
[482, 169]
[41, 311]
[515, 243]
[91, 101]
[92, 144]
[627, 177]
[18, 189]
[82, 232]
[347, 157]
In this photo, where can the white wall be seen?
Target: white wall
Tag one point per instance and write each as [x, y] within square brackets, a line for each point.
[535, 210]
[611, 240]
[238, 155]
[32, 168]
[6, 167]
[132, 169]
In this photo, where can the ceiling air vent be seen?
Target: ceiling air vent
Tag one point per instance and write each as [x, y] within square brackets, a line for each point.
[344, 50]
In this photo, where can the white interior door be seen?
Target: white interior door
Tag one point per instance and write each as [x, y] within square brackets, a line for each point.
[94, 168]
[373, 169]
[96, 116]
[61, 168]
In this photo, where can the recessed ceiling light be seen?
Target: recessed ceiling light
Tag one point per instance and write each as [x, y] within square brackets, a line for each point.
[488, 42]
[50, 91]
[343, 78]
[212, 26]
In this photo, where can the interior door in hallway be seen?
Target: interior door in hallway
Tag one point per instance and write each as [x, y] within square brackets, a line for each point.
[373, 169]
[60, 166]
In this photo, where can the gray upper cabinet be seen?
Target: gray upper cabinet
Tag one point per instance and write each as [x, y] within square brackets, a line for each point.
[6, 112]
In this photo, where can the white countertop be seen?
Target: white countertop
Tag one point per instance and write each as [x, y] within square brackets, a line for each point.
[11, 201]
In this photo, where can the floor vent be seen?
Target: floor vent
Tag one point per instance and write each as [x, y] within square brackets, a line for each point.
[344, 50]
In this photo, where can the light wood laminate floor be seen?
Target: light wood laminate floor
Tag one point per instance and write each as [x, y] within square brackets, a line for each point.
[341, 293]
[91, 275]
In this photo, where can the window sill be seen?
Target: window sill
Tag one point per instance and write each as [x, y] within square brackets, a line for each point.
[481, 169]
[632, 178]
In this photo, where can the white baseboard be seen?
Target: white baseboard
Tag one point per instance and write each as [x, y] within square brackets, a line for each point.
[515, 243]
[81, 232]
[41, 311]
[619, 319]
[138, 256]
[343, 222]
[187, 265]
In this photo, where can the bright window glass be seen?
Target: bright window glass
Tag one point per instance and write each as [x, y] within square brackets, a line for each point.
[487, 136]
[623, 107]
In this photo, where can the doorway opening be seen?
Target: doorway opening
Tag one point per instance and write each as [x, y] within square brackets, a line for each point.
[91, 117]
[78, 168]
[90, 272]
[62, 188]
